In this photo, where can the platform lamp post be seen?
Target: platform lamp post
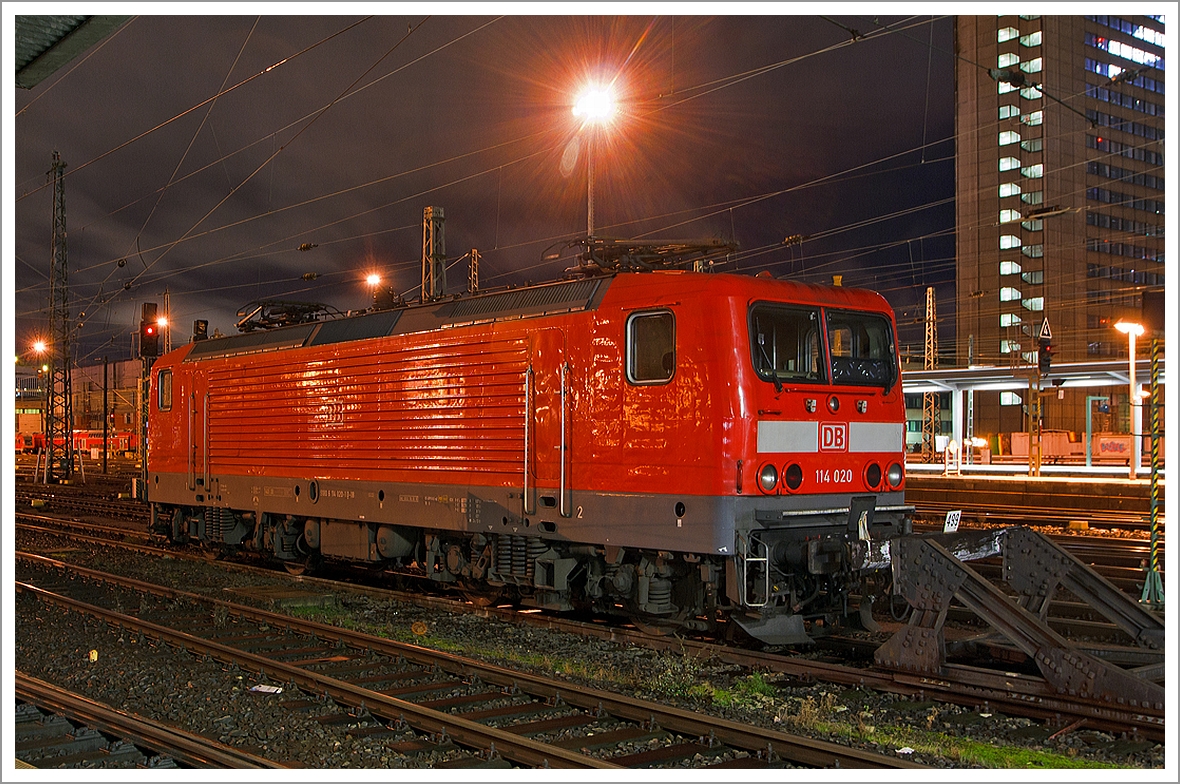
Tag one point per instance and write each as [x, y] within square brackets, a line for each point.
[596, 107]
[1133, 330]
[40, 348]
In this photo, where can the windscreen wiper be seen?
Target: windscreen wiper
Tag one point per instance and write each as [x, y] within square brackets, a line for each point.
[778, 384]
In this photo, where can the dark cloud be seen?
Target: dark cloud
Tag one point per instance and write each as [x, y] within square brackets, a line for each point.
[342, 144]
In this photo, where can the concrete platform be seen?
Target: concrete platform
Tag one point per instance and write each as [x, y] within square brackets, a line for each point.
[1082, 497]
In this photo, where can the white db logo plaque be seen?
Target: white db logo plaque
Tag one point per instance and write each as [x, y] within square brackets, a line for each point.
[833, 437]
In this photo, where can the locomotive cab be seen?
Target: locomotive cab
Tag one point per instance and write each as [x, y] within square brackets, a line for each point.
[827, 417]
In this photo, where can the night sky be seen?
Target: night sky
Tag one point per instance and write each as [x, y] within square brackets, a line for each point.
[746, 128]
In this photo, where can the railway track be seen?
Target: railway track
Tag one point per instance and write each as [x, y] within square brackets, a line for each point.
[54, 728]
[1017, 695]
[1112, 558]
[426, 697]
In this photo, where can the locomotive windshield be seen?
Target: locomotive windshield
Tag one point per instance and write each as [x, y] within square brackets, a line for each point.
[786, 343]
[862, 349]
[786, 346]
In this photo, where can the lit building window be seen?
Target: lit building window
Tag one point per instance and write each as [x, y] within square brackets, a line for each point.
[1009, 319]
[1009, 294]
[1030, 357]
[1008, 241]
[1034, 171]
[1009, 346]
[1009, 189]
[1009, 216]
[1006, 60]
[1033, 118]
[1034, 277]
[1033, 251]
[1009, 163]
[1006, 34]
[1033, 225]
[1031, 93]
[1034, 303]
[1009, 137]
[1009, 267]
[1005, 87]
[1032, 66]
[1010, 399]
[1033, 197]
[1032, 39]
[1032, 145]
[1007, 111]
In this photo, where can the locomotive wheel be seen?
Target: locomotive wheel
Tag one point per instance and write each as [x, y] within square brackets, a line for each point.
[301, 567]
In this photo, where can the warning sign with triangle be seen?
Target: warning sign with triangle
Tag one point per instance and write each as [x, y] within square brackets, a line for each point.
[1045, 333]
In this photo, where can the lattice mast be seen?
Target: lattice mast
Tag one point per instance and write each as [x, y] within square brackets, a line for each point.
[59, 415]
[930, 412]
[473, 272]
[434, 254]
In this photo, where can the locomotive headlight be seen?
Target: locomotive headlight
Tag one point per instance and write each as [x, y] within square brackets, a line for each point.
[793, 476]
[809, 404]
[873, 475]
[862, 406]
[768, 478]
[833, 404]
[895, 475]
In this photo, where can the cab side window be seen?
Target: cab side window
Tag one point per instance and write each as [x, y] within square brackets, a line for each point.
[164, 390]
[651, 347]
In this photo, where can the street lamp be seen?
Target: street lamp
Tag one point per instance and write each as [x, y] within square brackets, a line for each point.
[597, 107]
[373, 280]
[1133, 330]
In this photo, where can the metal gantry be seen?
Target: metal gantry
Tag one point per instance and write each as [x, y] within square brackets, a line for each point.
[59, 442]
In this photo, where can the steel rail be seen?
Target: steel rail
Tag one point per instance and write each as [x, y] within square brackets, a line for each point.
[184, 747]
[463, 731]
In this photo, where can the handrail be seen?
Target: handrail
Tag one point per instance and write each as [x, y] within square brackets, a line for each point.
[205, 443]
[528, 398]
[565, 511]
[190, 457]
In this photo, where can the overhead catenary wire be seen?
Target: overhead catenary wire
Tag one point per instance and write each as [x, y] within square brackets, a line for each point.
[244, 254]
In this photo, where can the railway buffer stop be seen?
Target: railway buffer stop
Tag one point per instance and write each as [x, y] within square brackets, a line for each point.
[930, 571]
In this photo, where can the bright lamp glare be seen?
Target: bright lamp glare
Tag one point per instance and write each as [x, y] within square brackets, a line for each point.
[595, 105]
[39, 347]
[1129, 328]
[161, 322]
[373, 280]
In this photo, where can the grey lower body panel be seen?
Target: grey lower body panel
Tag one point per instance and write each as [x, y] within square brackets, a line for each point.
[681, 523]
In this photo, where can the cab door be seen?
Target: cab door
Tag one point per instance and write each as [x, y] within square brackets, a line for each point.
[197, 433]
[547, 424]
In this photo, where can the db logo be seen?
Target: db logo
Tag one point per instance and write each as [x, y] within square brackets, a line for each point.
[833, 437]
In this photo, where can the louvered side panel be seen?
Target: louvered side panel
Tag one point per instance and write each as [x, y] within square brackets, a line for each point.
[375, 412]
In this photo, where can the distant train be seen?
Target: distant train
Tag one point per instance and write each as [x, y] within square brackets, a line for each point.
[683, 448]
[84, 441]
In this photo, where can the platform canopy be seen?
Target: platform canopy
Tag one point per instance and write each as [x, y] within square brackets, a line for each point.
[999, 379]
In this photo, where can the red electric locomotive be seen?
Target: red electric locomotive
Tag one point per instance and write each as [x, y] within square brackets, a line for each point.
[678, 447]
